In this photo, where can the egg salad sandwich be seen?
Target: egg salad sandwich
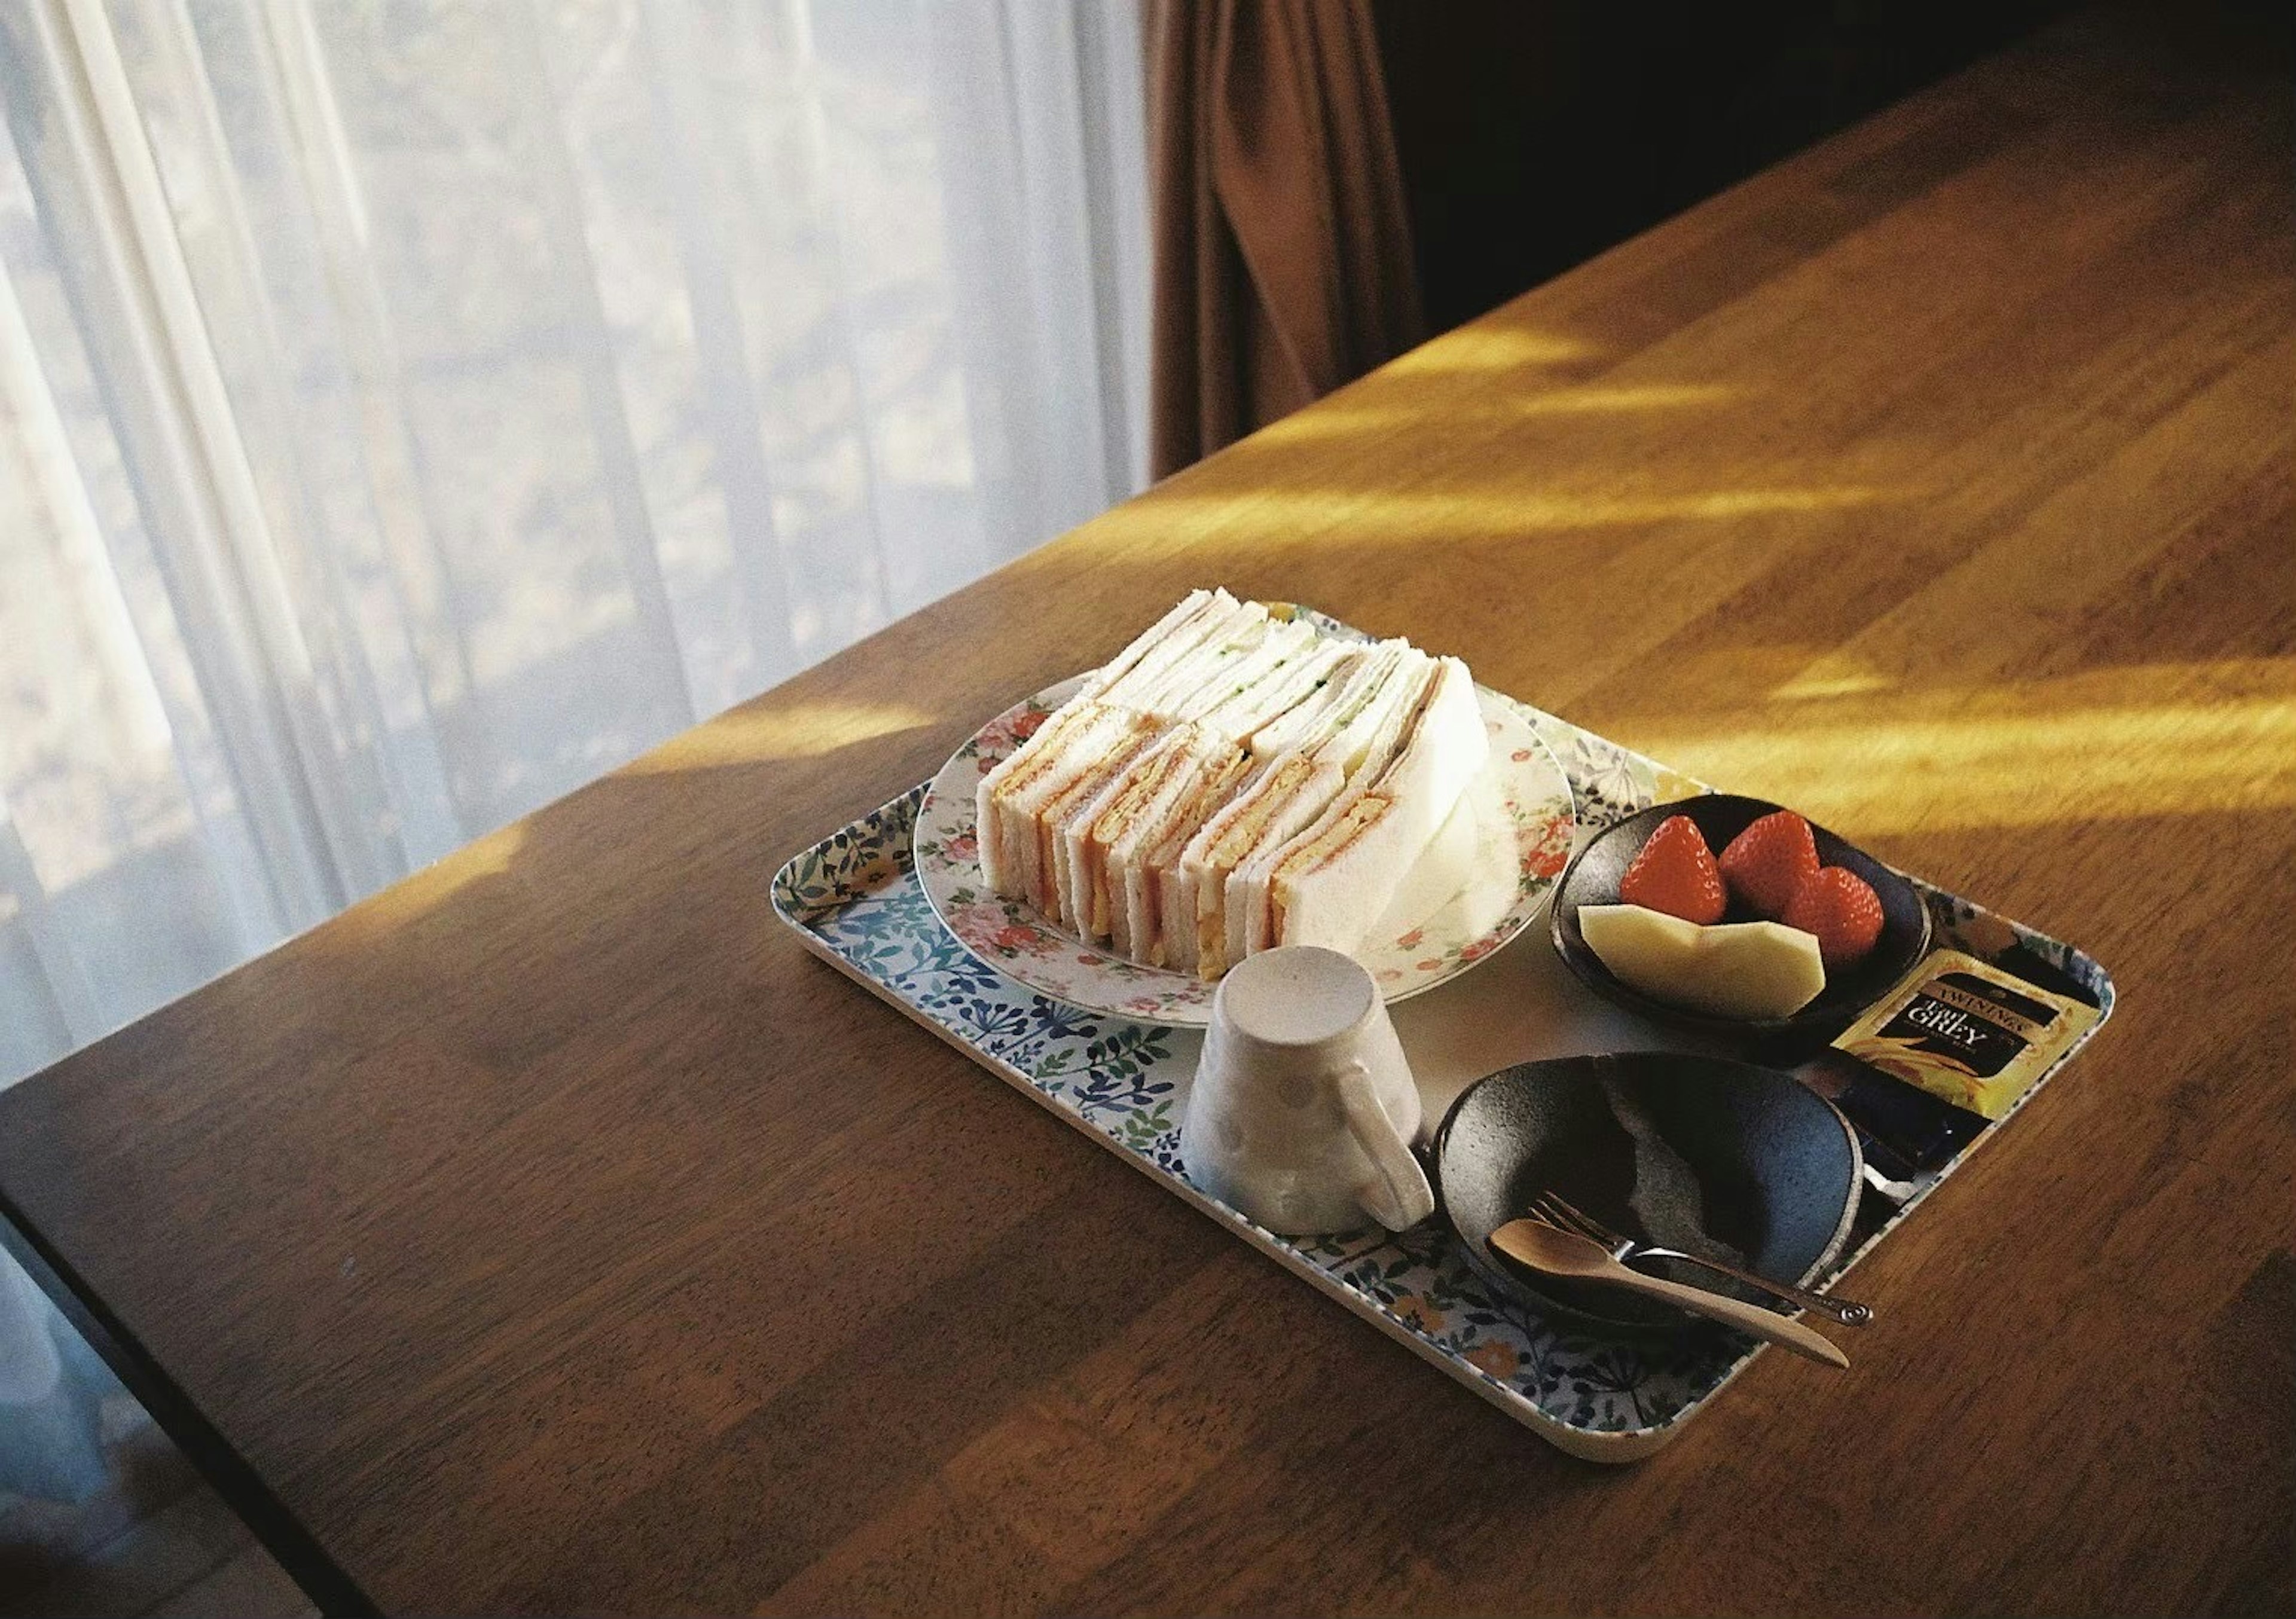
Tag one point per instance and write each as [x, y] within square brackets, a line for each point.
[1330, 881]
[1231, 780]
[1309, 765]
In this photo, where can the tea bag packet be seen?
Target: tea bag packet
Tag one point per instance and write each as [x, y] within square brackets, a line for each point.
[1967, 1032]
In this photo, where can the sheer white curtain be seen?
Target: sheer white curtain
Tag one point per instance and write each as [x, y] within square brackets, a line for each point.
[411, 408]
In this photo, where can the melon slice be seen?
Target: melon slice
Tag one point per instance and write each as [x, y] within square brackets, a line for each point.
[1735, 970]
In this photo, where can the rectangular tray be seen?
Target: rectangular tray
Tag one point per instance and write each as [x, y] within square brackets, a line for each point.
[855, 900]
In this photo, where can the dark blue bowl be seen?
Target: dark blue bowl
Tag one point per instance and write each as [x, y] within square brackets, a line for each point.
[1776, 1167]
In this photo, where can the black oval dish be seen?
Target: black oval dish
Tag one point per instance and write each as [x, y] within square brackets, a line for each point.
[1592, 879]
[1777, 1167]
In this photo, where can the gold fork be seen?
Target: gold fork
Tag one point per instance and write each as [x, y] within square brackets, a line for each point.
[1549, 1208]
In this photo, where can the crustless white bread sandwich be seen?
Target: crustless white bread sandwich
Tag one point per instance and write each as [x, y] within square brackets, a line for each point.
[1229, 782]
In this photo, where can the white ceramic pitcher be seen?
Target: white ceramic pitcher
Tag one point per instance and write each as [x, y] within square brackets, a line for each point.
[1304, 1108]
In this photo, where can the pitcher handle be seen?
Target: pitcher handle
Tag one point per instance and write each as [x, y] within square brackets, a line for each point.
[1399, 1197]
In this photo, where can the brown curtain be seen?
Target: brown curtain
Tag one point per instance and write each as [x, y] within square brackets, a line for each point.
[1284, 262]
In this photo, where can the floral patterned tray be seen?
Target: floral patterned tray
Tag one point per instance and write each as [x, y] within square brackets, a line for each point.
[855, 900]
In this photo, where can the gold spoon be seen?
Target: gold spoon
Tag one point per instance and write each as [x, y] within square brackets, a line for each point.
[1566, 1254]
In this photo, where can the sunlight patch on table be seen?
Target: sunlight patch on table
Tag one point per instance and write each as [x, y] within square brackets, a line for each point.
[801, 731]
[1835, 678]
[1273, 519]
[1493, 349]
[1337, 421]
[424, 891]
[1880, 774]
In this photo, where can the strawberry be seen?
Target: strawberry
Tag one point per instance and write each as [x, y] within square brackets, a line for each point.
[1840, 908]
[1676, 873]
[1768, 861]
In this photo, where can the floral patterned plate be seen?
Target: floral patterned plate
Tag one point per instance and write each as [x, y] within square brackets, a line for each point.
[1523, 817]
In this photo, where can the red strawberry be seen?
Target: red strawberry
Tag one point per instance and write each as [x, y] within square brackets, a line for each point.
[1676, 873]
[1842, 909]
[1768, 861]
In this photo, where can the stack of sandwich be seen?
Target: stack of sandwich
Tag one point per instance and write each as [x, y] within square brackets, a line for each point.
[1230, 782]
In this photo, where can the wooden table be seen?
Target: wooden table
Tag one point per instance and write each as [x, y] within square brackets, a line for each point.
[550, 1231]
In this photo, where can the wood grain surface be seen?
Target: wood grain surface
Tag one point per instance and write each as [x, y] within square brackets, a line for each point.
[551, 1232]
